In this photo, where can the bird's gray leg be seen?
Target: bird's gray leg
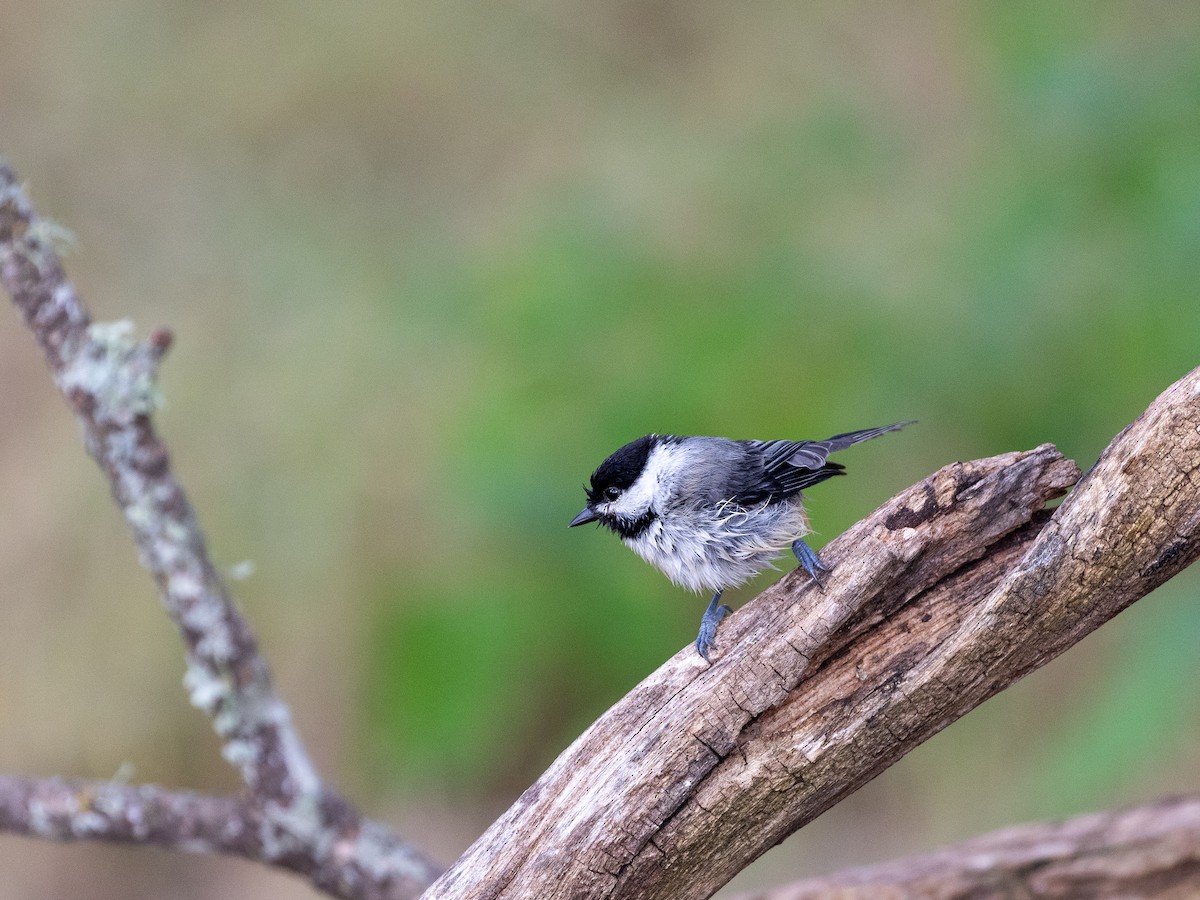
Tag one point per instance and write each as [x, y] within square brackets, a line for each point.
[706, 639]
[809, 560]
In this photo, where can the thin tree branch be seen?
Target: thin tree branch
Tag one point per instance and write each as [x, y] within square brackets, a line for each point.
[63, 809]
[938, 600]
[109, 380]
[1149, 851]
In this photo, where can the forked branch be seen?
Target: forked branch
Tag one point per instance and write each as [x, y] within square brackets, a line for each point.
[109, 380]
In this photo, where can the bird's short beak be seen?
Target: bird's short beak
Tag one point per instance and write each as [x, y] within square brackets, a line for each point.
[584, 517]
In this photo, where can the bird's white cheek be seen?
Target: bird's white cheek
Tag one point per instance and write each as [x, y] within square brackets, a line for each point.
[630, 508]
[639, 498]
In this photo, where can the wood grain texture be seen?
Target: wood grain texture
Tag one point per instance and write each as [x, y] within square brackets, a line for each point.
[944, 596]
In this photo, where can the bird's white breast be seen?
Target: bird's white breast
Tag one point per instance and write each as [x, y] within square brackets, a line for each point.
[716, 548]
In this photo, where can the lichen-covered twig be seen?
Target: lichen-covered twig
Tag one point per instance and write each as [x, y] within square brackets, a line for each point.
[108, 378]
[365, 863]
[68, 809]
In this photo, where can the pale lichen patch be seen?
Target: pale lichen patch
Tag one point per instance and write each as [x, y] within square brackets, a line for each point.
[114, 371]
[205, 690]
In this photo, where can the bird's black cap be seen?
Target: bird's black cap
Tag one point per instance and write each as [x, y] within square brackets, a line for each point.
[622, 468]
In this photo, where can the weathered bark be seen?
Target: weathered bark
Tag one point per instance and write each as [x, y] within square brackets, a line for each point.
[1150, 851]
[941, 598]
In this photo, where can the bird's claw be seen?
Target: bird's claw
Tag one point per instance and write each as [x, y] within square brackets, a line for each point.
[706, 640]
[810, 562]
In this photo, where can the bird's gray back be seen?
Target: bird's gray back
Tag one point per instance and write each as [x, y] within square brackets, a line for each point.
[715, 469]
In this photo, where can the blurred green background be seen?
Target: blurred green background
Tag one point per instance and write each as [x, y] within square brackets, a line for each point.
[428, 263]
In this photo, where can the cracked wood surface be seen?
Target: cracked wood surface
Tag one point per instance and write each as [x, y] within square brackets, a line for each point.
[941, 598]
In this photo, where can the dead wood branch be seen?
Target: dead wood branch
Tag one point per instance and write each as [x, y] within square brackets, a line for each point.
[1149, 851]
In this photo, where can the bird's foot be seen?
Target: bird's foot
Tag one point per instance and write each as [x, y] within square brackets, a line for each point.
[809, 561]
[706, 639]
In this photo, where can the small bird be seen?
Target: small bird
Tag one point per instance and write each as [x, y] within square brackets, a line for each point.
[710, 512]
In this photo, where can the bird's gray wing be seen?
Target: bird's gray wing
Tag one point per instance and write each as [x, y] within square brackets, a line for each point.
[784, 469]
[788, 467]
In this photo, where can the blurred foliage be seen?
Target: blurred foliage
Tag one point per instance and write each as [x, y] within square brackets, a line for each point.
[430, 263]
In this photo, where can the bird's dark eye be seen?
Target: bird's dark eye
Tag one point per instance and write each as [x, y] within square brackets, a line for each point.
[612, 493]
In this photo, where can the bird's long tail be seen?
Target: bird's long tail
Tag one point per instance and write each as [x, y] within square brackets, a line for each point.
[842, 441]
